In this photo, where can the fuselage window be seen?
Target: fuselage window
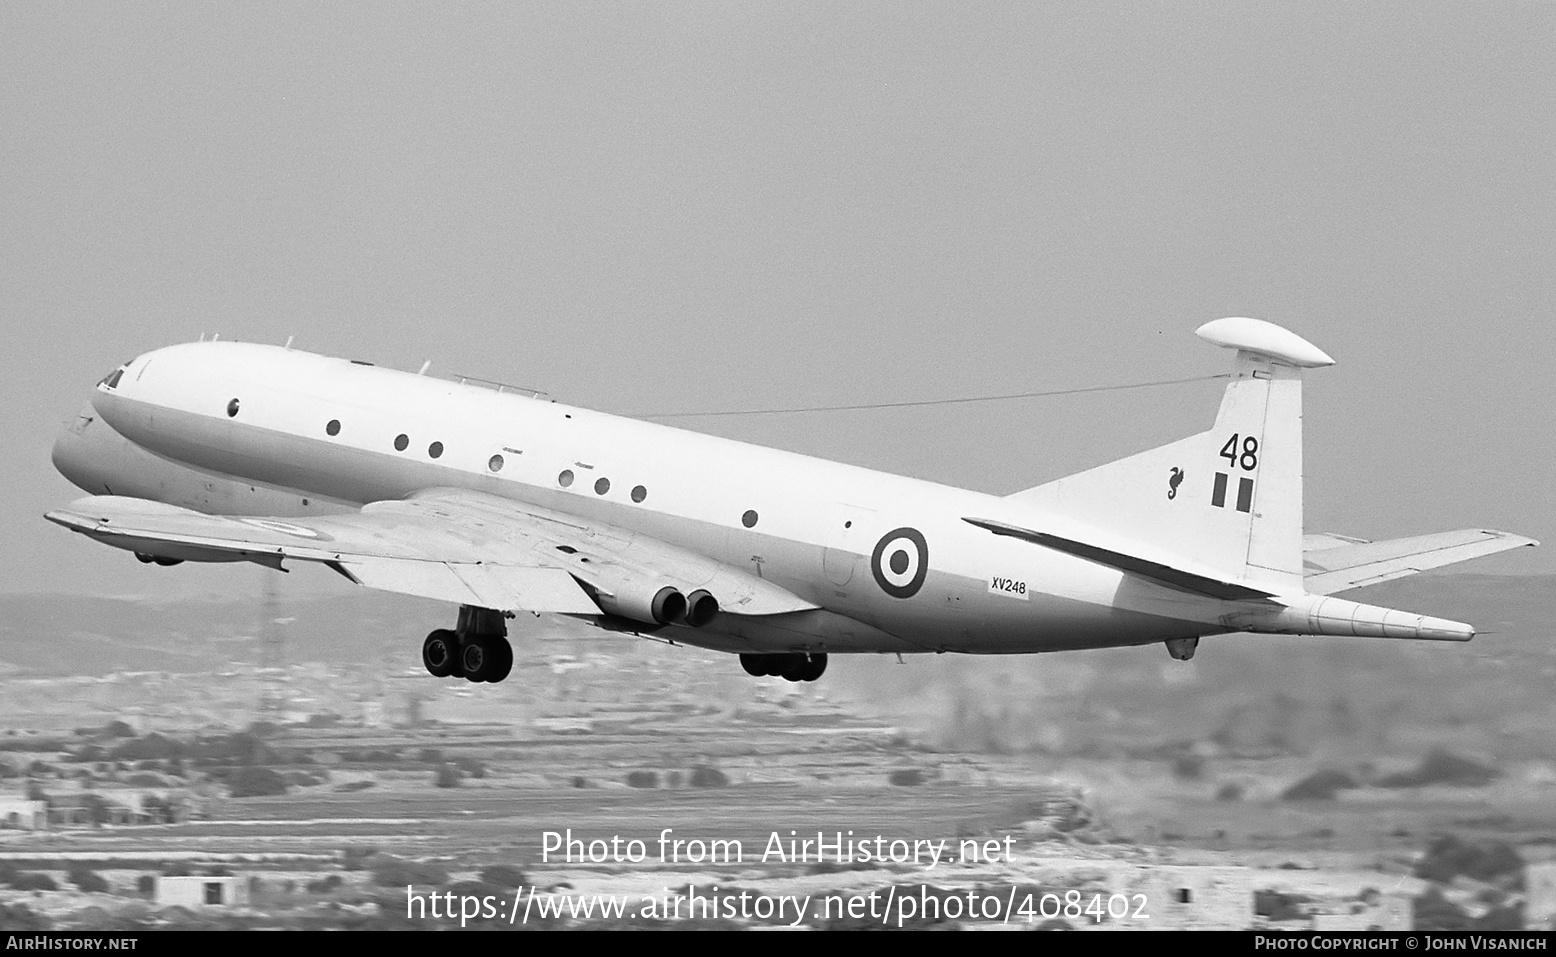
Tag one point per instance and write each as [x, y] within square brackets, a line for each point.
[749, 518]
[602, 486]
[401, 441]
[494, 463]
[565, 479]
[435, 449]
[232, 409]
[639, 493]
[333, 428]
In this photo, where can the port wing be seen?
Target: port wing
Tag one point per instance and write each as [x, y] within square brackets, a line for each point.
[449, 544]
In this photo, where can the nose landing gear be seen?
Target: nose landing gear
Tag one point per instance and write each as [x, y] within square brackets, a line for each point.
[476, 650]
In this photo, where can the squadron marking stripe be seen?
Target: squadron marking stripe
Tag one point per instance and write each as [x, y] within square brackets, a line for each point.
[1245, 495]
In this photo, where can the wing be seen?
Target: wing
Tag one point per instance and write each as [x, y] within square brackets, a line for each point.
[1336, 563]
[449, 544]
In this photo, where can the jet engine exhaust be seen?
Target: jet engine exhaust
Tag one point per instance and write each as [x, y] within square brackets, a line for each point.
[701, 607]
[660, 607]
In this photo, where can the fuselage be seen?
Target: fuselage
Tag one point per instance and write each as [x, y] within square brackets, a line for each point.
[245, 429]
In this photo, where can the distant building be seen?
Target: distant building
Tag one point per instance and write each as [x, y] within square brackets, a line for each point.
[1192, 898]
[195, 891]
[21, 814]
[119, 806]
[1388, 912]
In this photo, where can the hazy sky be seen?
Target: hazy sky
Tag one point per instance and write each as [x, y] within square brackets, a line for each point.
[658, 206]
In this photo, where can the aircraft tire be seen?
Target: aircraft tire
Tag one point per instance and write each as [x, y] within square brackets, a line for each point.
[502, 659]
[476, 659]
[793, 667]
[439, 653]
[815, 667]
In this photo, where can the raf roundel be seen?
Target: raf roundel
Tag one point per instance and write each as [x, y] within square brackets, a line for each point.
[900, 562]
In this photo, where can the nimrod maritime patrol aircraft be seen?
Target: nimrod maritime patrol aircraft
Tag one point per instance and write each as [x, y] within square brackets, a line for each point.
[500, 502]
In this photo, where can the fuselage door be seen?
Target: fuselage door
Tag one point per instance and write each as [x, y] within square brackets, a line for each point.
[844, 547]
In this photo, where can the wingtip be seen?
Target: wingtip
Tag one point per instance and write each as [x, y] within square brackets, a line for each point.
[60, 516]
[1513, 538]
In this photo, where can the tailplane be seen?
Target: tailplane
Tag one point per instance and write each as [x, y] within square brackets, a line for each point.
[1229, 498]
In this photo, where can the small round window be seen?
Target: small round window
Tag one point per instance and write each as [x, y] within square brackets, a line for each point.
[602, 486]
[435, 449]
[749, 518]
[232, 409]
[333, 428]
[565, 479]
[494, 463]
[401, 441]
[639, 493]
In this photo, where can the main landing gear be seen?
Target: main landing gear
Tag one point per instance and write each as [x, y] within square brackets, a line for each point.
[476, 649]
[790, 667]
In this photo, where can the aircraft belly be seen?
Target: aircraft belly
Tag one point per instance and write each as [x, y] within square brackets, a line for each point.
[955, 613]
[816, 631]
[1054, 624]
[1068, 626]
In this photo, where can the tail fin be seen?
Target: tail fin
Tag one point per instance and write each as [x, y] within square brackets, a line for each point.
[1231, 497]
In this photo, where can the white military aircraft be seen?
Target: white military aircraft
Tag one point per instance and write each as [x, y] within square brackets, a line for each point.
[501, 502]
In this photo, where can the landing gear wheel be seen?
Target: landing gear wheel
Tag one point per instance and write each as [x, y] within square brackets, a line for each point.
[792, 667]
[479, 658]
[755, 665]
[815, 666]
[502, 659]
[439, 653]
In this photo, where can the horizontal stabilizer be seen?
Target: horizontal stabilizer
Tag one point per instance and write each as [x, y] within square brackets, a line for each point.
[1135, 565]
[1337, 564]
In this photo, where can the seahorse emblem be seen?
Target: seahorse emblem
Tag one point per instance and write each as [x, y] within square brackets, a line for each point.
[1173, 481]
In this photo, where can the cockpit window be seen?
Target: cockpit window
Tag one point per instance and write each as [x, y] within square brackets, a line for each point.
[111, 380]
